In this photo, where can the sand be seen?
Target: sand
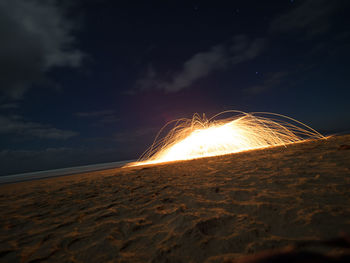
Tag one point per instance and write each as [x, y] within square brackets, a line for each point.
[216, 209]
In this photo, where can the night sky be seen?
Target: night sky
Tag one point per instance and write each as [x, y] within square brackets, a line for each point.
[84, 82]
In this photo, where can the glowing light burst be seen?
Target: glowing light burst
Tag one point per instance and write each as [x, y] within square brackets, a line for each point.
[201, 137]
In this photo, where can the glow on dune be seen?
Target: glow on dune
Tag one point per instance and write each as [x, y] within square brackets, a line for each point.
[201, 137]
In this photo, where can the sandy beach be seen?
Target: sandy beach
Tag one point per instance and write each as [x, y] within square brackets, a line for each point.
[217, 209]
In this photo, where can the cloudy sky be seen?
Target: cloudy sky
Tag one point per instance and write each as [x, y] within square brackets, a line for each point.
[92, 81]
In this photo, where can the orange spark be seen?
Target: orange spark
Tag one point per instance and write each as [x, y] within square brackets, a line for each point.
[201, 137]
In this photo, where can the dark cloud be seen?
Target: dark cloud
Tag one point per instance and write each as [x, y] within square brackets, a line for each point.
[7, 106]
[35, 37]
[135, 135]
[102, 116]
[312, 17]
[271, 81]
[219, 57]
[17, 126]
[94, 113]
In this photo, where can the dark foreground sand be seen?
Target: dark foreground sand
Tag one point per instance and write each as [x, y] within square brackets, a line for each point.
[207, 210]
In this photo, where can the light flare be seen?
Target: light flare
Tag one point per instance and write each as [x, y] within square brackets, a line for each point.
[201, 137]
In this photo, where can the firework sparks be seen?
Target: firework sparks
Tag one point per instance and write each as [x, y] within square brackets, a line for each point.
[201, 137]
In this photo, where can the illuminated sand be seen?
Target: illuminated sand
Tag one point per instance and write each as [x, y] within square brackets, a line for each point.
[205, 210]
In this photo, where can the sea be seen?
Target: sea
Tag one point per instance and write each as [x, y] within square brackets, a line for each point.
[14, 178]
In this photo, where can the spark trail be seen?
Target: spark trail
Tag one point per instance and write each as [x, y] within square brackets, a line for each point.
[201, 137]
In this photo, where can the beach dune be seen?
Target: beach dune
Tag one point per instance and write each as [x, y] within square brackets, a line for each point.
[216, 209]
